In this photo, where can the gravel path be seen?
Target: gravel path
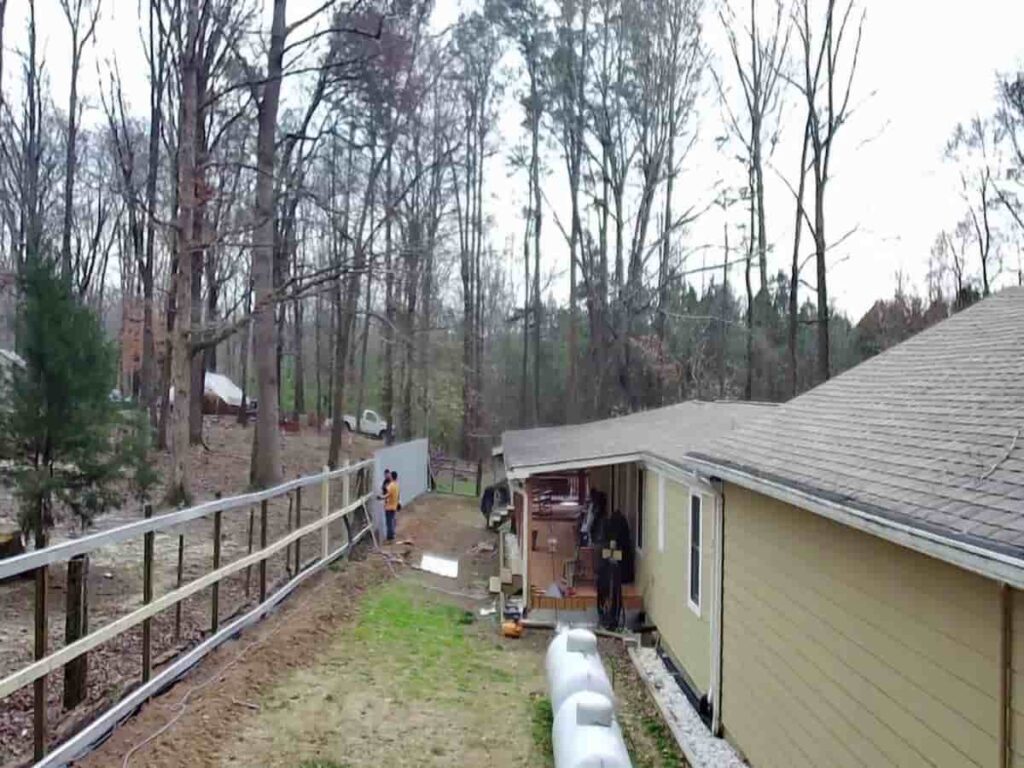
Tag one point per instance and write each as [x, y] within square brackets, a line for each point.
[702, 750]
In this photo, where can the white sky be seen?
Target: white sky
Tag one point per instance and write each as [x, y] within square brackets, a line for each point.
[924, 67]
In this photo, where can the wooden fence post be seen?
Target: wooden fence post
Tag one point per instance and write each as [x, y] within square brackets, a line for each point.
[288, 529]
[325, 497]
[75, 626]
[479, 476]
[181, 574]
[248, 568]
[39, 687]
[147, 597]
[215, 592]
[263, 546]
[346, 498]
[298, 524]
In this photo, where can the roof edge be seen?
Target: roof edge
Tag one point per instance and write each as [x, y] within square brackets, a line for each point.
[991, 563]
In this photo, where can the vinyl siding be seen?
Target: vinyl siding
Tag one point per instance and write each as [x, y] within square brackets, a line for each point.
[663, 577]
[843, 649]
[1017, 682]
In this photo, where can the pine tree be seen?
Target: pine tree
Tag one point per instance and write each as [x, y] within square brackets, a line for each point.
[61, 427]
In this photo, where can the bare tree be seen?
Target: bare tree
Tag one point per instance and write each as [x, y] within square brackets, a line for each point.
[179, 489]
[826, 85]
[974, 148]
[73, 12]
[266, 455]
[759, 59]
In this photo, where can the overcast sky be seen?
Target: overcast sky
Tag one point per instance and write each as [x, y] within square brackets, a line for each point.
[924, 67]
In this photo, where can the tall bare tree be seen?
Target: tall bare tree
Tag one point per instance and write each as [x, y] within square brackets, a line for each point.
[830, 40]
[179, 490]
[77, 13]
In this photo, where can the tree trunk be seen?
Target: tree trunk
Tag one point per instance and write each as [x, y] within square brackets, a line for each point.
[299, 399]
[748, 388]
[346, 314]
[179, 487]
[823, 361]
[70, 157]
[537, 219]
[243, 411]
[266, 464]
[149, 393]
[388, 394]
[794, 273]
[525, 380]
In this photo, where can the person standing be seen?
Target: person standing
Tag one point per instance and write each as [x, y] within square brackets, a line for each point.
[392, 503]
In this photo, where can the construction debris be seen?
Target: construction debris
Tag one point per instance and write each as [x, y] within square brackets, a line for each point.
[442, 566]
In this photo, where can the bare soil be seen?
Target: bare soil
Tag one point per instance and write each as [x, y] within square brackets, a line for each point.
[115, 577]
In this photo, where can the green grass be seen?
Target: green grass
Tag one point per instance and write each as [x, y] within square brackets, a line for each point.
[542, 718]
[424, 644]
[661, 736]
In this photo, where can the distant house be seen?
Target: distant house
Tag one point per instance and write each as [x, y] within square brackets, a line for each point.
[635, 463]
[867, 604]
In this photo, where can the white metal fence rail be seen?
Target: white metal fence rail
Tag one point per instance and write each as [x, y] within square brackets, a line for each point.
[38, 562]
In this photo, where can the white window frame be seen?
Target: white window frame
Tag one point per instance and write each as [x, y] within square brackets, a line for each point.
[694, 606]
[661, 512]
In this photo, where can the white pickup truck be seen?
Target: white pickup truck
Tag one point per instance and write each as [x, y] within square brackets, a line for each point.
[371, 424]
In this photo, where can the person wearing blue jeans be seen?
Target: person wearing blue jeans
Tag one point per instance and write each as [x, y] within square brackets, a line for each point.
[392, 503]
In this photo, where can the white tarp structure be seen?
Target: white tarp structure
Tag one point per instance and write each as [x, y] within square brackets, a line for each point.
[220, 386]
[410, 460]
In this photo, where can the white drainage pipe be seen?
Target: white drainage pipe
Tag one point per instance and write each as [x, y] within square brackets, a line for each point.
[573, 665]
[587, 735]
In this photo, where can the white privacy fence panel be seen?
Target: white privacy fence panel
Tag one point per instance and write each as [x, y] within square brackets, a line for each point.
[411, 461]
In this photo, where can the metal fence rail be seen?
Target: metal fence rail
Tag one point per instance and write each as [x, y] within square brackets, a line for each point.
[38, 562]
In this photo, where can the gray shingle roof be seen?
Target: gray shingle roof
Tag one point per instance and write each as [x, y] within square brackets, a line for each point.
[667, 433]
[929, 433]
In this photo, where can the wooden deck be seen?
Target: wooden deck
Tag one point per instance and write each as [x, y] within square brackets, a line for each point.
[585, 599]
[543, 570]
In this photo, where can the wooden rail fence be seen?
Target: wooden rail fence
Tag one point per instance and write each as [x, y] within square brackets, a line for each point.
[38, 562]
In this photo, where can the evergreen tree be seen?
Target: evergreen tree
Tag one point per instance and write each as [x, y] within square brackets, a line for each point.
[61, 427]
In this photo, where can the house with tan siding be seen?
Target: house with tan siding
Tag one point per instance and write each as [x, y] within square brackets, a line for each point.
[635, 463]
[868, 604]
[836, 580]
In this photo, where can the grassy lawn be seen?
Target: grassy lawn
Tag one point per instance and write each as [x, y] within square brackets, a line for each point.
[415, 682]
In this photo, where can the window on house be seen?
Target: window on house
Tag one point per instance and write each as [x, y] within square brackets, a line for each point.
[639, 509]
[696, 536]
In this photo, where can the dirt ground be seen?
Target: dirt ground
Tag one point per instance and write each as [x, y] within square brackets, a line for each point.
[375, 663]
[115, 576]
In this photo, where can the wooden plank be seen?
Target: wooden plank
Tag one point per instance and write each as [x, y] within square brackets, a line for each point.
[147, 597]
[215, 591]
[41, 667]
[178, 582]
[248, 571]
[39, 697]
[325, 501]
[263, 547]
[298, 524]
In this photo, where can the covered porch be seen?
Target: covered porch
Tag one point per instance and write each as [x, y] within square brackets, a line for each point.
[576, 527]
